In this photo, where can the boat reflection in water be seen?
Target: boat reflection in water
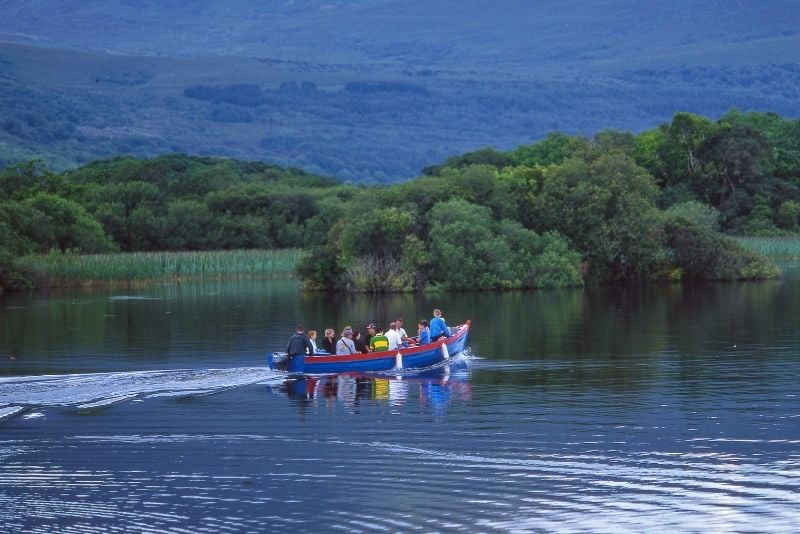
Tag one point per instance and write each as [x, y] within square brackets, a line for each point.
[434, 388]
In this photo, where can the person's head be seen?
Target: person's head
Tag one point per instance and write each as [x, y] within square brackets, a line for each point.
[392, 325]
[371, 329]
[437, 312]
[299, 329]
[347, 332]
[423, 323]
[329, 332]
[312, 334]
[356, 334]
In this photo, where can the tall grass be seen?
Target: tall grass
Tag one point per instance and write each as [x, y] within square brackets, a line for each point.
[67, 269]
[773, 247]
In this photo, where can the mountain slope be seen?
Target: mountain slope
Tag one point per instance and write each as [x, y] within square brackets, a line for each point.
[373, 90]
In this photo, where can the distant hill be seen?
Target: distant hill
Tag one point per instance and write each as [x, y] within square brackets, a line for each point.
[374, 90]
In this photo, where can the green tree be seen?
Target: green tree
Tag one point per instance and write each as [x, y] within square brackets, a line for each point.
[736, 166]
[606, 209]
[66, 225]
[552, 150]
[788, 215]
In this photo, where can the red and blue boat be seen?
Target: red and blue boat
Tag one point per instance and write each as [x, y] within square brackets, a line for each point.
[417, 357]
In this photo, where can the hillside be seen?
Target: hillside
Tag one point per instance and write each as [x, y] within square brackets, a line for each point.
[373, 91]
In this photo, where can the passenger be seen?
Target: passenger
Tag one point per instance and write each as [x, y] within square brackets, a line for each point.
[329, 341]
[438, 326]
[299, 345]
[370, 333]
[379, 342]
[359, 342]
[424, 333]
[345, 345]
[395, 342]
[402, 331]
[312, 337]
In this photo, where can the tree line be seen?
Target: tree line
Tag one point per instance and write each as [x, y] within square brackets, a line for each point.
[560, 212]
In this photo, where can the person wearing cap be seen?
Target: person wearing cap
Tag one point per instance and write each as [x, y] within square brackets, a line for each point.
[370, 332]
[345, 345]
[299, 344]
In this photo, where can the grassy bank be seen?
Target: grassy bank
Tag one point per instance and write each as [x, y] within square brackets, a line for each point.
[773, 247]
[58, 269]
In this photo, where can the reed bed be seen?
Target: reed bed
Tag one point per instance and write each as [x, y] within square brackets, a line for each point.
[773, 247]
[66, 269]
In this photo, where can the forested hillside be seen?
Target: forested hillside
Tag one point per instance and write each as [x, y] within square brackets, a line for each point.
[567, 210]
[373, 91]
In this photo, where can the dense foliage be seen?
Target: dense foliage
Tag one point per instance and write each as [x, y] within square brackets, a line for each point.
[169, 203]
[557, 213]
[615, 207]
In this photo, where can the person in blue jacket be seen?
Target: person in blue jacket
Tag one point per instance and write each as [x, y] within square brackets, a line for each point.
[424, 333]
[438, 326]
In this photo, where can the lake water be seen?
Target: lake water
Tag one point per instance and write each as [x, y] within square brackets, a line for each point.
[606, 409]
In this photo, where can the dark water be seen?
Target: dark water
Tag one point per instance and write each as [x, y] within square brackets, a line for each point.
[659, 408]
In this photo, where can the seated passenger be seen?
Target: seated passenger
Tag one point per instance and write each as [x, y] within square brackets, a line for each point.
[379, 342]
[370, 332]
[345, 345]
[329, 341]
[359, 343]
[312, 337]
[395, 341]
[438, 326]
[402, 331]
[423, 332]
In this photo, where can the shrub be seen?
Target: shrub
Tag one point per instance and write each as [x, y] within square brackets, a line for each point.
[703, 254]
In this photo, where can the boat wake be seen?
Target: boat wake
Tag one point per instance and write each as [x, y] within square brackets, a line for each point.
[98, 390]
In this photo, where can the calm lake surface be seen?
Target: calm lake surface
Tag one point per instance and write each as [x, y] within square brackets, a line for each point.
[607, 409]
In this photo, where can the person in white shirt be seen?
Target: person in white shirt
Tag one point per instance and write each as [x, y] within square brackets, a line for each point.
[395, 341]
[312, 337]
[401, 331]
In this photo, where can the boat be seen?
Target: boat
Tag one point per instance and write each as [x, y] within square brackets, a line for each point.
[416, 357]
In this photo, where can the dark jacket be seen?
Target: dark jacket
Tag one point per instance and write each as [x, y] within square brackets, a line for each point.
[361, 346]
[328, 345]
[299, 344]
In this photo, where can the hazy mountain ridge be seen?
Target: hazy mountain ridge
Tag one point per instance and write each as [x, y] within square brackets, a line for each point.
[418, 31]
[377, 89]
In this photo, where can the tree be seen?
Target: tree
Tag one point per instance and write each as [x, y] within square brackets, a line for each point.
[735, 164]
[552, 150]
[606, 209]
[469, 250]
[66, 225]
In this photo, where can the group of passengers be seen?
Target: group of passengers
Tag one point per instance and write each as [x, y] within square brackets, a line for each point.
[376, 339]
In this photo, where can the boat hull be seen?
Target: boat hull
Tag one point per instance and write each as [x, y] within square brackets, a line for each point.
[408, 358]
